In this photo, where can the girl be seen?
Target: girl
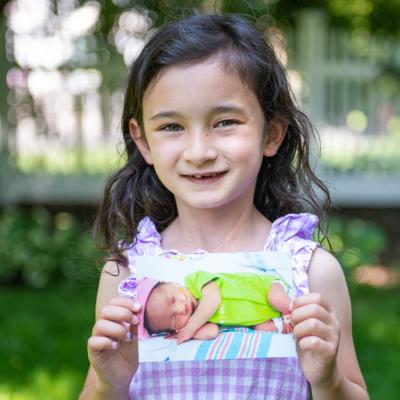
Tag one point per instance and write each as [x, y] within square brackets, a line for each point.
[217, 162]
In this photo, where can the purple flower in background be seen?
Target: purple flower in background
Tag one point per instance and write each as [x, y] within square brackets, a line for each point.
[128, 287]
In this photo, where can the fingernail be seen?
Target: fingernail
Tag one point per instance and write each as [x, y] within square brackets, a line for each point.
[135, 320]
[114, 345]
[137, 305]
[130, 336]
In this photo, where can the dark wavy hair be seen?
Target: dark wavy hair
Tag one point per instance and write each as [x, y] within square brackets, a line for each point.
[286, 183]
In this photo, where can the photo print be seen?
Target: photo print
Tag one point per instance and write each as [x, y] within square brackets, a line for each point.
[213, 305]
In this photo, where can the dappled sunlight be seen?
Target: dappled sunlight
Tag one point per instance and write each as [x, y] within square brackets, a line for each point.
[43, 385]
[64, 97]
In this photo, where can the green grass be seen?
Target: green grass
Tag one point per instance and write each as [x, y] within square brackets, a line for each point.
[376, 330]
[43, 346]
[44, 333]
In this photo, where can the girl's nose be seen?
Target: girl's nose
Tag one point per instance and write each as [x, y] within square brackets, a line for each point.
[200, 148]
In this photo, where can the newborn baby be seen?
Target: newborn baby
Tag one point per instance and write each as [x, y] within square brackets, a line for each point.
[211, 300]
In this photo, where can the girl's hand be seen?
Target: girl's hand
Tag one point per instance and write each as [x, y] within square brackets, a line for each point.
[113, 346]
[317, 331]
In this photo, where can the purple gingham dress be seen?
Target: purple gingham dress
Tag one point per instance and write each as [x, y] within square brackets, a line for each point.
[257, 378]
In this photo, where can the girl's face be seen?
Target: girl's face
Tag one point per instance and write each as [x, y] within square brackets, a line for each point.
[169, 307]
[205, 135]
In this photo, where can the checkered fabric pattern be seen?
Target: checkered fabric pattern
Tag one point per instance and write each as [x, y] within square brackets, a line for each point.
[275, 378]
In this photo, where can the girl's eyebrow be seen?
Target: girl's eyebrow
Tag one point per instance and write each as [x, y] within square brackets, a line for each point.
[227, 109]
[166, 114]
[214, 110]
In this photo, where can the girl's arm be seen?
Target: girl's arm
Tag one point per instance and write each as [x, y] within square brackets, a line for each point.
[322, 327]
[111, 368]
[206, 308]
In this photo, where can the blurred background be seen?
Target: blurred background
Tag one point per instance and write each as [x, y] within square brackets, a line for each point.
[62, 70]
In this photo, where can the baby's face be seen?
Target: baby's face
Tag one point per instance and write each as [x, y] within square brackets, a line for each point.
[169, 307]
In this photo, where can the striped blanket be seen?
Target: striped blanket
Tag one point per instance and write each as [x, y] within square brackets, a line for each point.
[230, 344]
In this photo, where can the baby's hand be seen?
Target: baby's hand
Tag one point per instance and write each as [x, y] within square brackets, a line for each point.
[184, 334]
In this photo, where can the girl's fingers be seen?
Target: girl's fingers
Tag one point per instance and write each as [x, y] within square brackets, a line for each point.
[112, 329]
[310, 298]
[127, 302]
[117, 322]
[101, 343]
[316, 344]
[308, 311]
[313, 327]
[118, 314]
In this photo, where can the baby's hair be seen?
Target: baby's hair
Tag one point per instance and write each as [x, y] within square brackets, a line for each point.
[286, 182]
[146, 321]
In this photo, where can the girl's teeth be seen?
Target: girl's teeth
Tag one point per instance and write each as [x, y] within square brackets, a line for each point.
[205, 176]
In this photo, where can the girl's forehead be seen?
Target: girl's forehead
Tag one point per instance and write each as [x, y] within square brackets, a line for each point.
[205, 83]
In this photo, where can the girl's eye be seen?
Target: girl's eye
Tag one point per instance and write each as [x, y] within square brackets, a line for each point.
[226, 122]
[171, 128]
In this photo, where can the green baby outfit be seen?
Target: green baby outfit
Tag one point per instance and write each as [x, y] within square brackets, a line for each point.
[243, 296]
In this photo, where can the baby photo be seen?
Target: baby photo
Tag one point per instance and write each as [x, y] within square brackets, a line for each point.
[208, 306]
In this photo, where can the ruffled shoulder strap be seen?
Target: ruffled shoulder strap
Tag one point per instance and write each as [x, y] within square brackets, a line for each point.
[147, 242]
[294, 233]
[290, 226]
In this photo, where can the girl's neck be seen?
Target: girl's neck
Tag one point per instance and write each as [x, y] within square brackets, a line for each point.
[217, 231]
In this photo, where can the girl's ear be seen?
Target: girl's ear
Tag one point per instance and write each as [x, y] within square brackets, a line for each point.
[140, 140]
[276, 132]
